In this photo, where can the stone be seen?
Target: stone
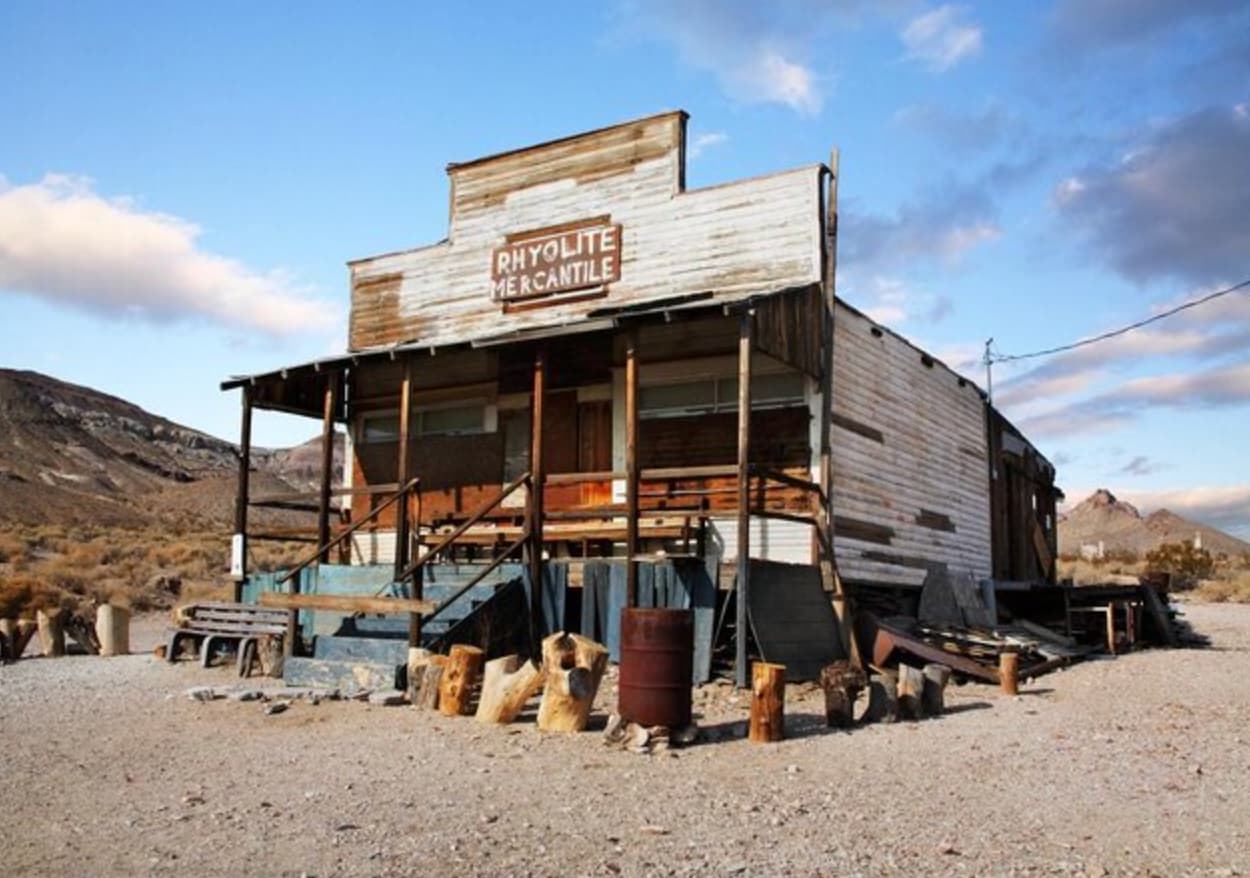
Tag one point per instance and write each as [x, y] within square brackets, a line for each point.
[201, 693]
[245, 695]
[275, 708]
[387, 699]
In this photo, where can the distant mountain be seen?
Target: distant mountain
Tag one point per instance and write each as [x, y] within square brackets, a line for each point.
[1100, 517]
[72, 454]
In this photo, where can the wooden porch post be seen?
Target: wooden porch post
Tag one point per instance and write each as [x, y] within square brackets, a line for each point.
[402, 475]
[631, 467]
[746, 332]
[327, 469]
[241, 501]
[537, 482]
[829, 245]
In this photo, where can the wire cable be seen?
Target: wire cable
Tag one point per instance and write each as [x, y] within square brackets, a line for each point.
[991, 357]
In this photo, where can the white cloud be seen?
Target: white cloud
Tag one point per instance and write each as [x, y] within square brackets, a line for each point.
[754, 50]
[942, 38]
[703, 142]
[892, 301]
[61, 241]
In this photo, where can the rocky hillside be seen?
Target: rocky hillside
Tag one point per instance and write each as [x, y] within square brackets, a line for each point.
[71, 454]
[1120, 527]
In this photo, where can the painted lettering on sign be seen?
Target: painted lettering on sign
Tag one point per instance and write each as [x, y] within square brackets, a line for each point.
[555, 260]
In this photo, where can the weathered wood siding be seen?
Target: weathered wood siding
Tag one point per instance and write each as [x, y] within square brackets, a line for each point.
[735, 240]
[910, 468]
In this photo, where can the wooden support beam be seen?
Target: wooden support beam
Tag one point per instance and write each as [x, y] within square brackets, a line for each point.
[327, 469]
[746, 332]
[631, 466]
[402, 539]
[537, 484]
[1008, 672]
[241, 500]
[345, 603]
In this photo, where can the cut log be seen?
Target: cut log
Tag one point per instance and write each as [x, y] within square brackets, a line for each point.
[429, 682]
[935, 679]
[1008, 672]
[112, 628]
[460, 679]
[25, 631]
[506, 686]
[82, 632]
[910, 692]
[842, 683]
[573, 665]
[418, 658]
[882, 699]
[51, 632]
[271, 653]
[768, 702]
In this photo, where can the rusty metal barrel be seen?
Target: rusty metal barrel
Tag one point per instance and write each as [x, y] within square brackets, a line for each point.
[657, 661]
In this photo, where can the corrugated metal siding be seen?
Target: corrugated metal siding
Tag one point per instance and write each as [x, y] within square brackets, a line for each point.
[910, 477]
[734, 240]
[771, 540]
[373, 547]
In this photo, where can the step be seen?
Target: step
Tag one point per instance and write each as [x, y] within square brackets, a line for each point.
[346, 676]
[375, 650]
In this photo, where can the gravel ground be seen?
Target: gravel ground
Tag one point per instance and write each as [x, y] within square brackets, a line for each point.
[1133, 766]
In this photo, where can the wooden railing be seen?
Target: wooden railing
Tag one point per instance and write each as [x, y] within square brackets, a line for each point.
[403, 493]
[415, 570]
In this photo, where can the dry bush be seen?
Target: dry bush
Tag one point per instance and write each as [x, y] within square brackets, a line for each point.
[1232, 586]
[12, 549]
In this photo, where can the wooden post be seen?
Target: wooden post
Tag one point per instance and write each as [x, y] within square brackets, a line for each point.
[538, 479]
[327, 470]
[112, 627]
[842, 682]
[746, 328]
[1009, 672]
[935, 678]
[243, 496]
[768, 702]
[431, 680]
[402, 476]
[631, 467]
[573, 666]
[461, 676]
[51, 632]
[910, 692]
[882, 699]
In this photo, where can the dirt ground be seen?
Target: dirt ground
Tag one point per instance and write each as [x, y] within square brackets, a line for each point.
[1133, 766]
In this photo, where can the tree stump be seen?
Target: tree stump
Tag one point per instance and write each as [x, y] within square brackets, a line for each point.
[418, 658]
[573, 665]
[768, 702]
[842, 683]
[882, 699]
[430, 679]
[506, 686]
[112, 628]
[461, 675]
[80, 629]
[934, 697]
[51, 632]
[1009, 672]
[910, 692]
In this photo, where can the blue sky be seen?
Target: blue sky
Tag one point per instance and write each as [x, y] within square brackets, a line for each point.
[181, 185]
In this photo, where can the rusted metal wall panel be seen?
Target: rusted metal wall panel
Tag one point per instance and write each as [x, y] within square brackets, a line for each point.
[734, 241]
[910, 468]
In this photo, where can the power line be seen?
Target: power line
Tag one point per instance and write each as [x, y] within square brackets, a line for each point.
[991, 357]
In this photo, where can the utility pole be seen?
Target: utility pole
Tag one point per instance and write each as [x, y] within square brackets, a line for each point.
[988, 359]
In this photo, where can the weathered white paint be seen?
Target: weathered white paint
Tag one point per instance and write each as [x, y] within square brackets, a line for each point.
[733, 241]
[932, 457]
[771, 539]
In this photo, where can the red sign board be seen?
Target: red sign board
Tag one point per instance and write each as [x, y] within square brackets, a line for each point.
[559, 259]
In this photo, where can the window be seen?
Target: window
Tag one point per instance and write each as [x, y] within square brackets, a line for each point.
[714, 395]
[458, 420]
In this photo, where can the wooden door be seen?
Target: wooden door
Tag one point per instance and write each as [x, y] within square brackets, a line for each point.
[594, 449]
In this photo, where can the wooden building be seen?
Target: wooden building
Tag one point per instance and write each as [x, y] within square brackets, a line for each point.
[598, 362]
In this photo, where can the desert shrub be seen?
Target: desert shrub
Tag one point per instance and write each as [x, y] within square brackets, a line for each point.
[1186, 564]
[12, 549]
[1233, 588]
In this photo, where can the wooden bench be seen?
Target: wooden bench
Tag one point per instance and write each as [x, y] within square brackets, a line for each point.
[211, 622]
